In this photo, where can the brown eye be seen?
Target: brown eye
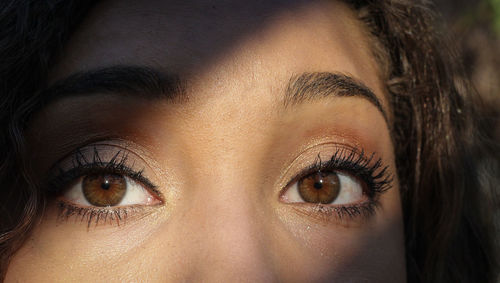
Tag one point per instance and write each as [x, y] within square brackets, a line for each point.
[319, 187]
[335, 188]
[104, 189]
[109, 190]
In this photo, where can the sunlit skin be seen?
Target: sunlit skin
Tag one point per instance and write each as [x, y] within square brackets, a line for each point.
[222, 156]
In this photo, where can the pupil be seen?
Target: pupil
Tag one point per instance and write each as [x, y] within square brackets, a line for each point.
[318, 184]
[105, 185]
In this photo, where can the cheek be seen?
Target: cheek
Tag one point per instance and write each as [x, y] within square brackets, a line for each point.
[372, 250]
[68, 249]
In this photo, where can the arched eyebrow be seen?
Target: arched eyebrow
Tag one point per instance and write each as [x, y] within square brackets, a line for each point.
[148, 82]
[321, 85]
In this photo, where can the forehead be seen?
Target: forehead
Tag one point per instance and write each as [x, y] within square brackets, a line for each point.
[268, 39]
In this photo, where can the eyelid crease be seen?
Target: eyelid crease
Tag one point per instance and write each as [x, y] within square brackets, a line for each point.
[81, 165]
[300, 154]
[353, 162]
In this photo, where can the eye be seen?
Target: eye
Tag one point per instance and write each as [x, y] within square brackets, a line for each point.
[108, 190]
[325, 188]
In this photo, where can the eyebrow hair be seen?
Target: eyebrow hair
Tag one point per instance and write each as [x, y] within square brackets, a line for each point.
[312, 86]
[151, 83]
[126, 80]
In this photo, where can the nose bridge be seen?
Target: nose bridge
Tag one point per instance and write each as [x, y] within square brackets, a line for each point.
[220, 211]
[230, 230]
[221, 214]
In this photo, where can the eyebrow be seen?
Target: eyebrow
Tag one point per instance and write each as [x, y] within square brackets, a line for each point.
[125, 80]
[320, 85]
[150, 83]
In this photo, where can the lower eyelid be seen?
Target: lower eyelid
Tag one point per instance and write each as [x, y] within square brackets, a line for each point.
[97, 216]
[345, 215]
[367, 168]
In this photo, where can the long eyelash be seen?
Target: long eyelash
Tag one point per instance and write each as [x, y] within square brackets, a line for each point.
[370, 171]
[355, 162]
[81, 166]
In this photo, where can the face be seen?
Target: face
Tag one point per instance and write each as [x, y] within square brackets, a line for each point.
[236, 140]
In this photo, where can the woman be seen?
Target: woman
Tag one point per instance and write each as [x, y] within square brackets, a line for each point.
[274, 140]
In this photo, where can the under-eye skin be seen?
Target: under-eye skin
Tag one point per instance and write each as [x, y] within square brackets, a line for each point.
[102, 190]
[349, 184]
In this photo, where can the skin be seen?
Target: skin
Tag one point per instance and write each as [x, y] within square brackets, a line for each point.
[222, 157]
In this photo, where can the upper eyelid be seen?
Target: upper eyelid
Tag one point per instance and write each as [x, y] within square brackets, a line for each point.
[117, 143]
[105, 168]
[78, 163]
[100, 151]
[378, 169]
[319, 163]
[339, 148]
[314, 147]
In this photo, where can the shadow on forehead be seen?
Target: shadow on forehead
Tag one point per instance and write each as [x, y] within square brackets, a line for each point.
[184, 35]
[188, 36]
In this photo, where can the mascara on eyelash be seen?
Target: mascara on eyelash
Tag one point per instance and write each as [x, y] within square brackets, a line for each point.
[92, 214]
[356, 163]
[344, 212]
[81, 166]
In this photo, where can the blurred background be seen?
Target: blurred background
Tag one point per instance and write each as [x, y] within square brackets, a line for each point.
[476, 24]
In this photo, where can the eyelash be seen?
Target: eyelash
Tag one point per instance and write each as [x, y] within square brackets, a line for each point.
[375, 177]
[81, 166]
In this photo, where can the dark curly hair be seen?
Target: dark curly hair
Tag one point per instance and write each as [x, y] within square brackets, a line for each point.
[440, 136]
